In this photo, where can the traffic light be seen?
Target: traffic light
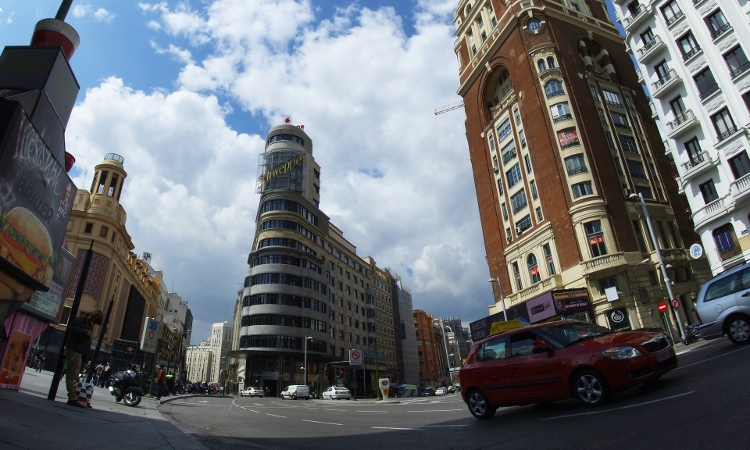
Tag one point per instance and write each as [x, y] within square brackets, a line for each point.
[340, 373]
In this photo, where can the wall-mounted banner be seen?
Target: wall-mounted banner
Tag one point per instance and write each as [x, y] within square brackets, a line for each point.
[618, 319]
[282, 169]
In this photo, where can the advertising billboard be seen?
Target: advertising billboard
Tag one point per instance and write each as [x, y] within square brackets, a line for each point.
[48, 305]
[282, 169]
[36, 197]
[541, 308]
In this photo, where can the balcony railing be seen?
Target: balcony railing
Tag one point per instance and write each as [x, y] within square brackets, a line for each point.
[677, 16]
[740, 70]
[651, 44]
[724, 135]
[680, 123]
[555, 93]
[710, 90]
[695, 160]
[562, 117]
[740, 186]
[719, 31]
[693, 51]
[664, 79]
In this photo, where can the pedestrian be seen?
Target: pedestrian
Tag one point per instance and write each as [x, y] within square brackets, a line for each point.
[267, 391]
[40, 363]
[76, 346]
[98, 373]
[104, 378]
[85, 370]
[161, 382]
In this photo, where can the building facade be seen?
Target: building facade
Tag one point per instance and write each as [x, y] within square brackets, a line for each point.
[307, 296]
[198, 361]
[560, 135]
[693, 62]
[407, 356]
[221, 343]
[428, 349]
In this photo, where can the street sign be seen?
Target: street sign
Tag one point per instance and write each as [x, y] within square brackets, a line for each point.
[130, 349]
[150, 335]
[662, 307]
[675, 303]
[355, 358]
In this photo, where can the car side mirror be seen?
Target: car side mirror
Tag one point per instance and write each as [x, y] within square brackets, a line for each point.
[540, 347]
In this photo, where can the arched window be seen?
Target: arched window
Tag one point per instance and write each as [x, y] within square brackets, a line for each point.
[550, 62]
[553, 88]
[542, 66]
[533, 269]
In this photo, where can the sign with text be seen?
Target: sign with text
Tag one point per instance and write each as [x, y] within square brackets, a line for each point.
[541, 308]
[150, 335]
[618, 319]
[355, 358]
[49, 304]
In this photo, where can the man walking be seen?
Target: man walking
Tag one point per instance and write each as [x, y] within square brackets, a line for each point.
[161, 382]
[40, 363]
[77, 345]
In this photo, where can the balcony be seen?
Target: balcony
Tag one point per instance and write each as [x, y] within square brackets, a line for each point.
[673, 254]
[555, 93]
[686, 56]
[637, 15]
[562, 117]
[681, 124]
[665, 84]
[697, 164]
[535, 290]
[603, 262]
[726, 134]
[708, 92]
[650, 50]
[740, 70]
[654, 113]
[675, 18]
[715, 34]
[712, 210]
[740, 188]
[640, 76]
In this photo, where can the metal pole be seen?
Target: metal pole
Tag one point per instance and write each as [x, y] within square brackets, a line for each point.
[305, 361]
[73, 313]
[502, 299]
[63, 11]
[445, 344]
[103, 330]
[661, 263]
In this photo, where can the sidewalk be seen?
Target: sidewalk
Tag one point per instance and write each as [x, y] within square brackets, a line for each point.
[30, 421]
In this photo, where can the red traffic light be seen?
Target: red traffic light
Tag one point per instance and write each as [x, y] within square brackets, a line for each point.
[341, 372]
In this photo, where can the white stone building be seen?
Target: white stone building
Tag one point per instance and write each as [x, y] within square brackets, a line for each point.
[693, 60]
[221, 344]
[198, 361]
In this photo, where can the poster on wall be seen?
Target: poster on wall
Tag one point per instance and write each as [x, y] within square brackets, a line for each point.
[541, 308]
[618, 319]
[14, 361]
[48, 305]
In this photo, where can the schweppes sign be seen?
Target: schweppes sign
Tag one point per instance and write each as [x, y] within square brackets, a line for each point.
[282, 168]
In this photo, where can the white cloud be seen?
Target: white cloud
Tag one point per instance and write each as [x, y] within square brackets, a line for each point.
[395, 177]
[99, 14]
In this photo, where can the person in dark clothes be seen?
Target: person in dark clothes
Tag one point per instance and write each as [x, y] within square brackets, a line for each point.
[77, 345]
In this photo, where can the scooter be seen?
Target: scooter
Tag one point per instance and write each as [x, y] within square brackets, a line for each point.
[125, 386]
[691, 334]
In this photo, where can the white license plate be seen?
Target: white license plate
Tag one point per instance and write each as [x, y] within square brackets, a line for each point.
[664, 356]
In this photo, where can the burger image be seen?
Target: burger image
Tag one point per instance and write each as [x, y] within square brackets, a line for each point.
[25, 243]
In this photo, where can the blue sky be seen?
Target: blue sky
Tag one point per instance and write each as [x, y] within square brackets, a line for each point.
[186, 91]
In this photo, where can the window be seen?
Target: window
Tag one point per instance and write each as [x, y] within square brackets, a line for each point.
[568, 138]
[505, 211]
[575, 164]
[610, 141]
[550, 260]
[717, 24]
[708, 189]
[575, 6]
[523, 224]
[517, 273]
[740, 165]
[647, 36]
[726, 244]
[491, 140]
[652, 278]
[533, 269]
[736, 61]
[688, 46]
[522, 137]
[639, 236]
[103, 232]
[495, 164]
[533, 25]
[663, 234]
[503, 130]
[581, 189]
[746, 99]
[539, 216]
[550, 62]
[706, 83]
[500, 185]
[527, 160]
[628, 143]
[491, 350]
[618, 166]
[608, 282]
[662, 71]
[89, 226]
[534, 193]
[553, 88]
[508, 152]
[723, 124]
[612, 98]
[619, 120]
[542, 65]
[560, 111]
[645, 191]
[675, 238]
[671, 12]
[593, 92]
[678, 107]
[518, 201]
[596, 238]
[517, 115]
[636, 169]
[693, 148]
[513, 175]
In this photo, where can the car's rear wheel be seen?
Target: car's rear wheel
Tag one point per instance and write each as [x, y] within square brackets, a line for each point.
[590, 387]
[738, 329]
[479, 405]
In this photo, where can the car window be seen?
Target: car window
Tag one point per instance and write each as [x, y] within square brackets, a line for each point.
[723, 287]
[522, 344]
[746, 278]
[491, 350]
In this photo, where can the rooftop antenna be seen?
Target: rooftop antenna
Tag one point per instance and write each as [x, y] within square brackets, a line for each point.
[85, 172]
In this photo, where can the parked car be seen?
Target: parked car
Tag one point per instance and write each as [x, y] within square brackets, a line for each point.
[451, 389]
[427, 392]
[559, 360]
[723, 306]
[296, 391]
[252, 392]
[441, 391]
[336, 393]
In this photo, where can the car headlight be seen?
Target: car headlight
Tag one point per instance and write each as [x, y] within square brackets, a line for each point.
[621, 353]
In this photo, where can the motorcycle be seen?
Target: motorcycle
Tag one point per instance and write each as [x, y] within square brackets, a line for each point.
[691, 334]
[125, 386]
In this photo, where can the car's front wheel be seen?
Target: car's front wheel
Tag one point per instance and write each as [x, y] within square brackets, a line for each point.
[479, 405]
[738, 329]
[590, 387]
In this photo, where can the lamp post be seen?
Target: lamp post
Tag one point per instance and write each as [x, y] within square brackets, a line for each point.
[445, 345]
[502, 299]
[667, 281]
[306, 338]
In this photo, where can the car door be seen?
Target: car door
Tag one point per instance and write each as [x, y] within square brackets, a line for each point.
[491, 373]
[535, 376]
[720, 296]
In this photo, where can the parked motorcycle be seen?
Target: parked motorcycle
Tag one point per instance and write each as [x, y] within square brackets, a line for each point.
[691, 334]
[125, 386]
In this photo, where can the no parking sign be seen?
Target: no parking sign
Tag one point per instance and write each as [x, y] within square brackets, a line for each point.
[355, 358]
[150, 335]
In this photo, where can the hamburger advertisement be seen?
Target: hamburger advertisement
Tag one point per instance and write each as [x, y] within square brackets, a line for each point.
[36, 196]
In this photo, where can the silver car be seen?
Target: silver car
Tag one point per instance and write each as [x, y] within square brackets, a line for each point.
[723, 306]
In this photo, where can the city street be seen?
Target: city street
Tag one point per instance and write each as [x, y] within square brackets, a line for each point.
[702, 404]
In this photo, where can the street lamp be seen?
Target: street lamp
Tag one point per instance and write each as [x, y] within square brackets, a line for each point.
[502, 300]
[642, 262]
[663, 267]
[445, 345]
[306, 338]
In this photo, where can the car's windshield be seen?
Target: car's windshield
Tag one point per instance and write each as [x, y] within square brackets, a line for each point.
[567, 333]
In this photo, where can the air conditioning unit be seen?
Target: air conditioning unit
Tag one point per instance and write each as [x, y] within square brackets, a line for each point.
[519, 231]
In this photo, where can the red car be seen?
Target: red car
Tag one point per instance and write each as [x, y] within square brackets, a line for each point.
[559, 360]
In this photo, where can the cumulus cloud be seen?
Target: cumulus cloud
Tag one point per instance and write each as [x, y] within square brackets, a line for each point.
[99, 14]
[395, 177]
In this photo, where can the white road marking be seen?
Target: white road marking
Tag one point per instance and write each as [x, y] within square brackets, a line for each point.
[396, 428]
[324, 423]
[248, 409]
[620, 408]
[274, 415]
[386, 412]
[709, 359]
[436, 410]
[443, 426]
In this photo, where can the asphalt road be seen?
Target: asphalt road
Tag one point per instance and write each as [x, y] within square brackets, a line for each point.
[701, 405]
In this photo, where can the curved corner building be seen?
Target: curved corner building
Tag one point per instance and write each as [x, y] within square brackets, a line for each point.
[307, 295]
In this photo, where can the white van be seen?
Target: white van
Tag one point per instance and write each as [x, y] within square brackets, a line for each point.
[296, 391]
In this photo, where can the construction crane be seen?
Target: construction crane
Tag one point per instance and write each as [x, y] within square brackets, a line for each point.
[450, 107]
